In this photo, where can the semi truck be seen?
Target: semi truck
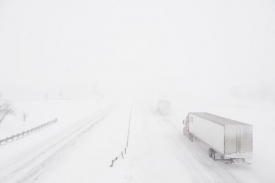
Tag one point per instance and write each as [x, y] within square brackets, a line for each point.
[228, 140]
[163, 107]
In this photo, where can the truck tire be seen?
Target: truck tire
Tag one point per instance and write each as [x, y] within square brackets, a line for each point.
[210, 153]
[213, 156]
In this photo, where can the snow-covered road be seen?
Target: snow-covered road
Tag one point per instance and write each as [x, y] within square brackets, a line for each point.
[28, 168]
[157, 152]
[160, 153]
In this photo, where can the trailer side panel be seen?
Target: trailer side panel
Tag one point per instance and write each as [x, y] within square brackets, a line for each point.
[207, 131]
[245, 139]
[230, 145]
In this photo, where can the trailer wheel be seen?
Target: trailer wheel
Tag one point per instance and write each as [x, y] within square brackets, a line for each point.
[213, 155]
[210, 152]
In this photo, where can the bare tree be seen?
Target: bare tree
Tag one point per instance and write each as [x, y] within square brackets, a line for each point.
[24, 115]
[5, 110]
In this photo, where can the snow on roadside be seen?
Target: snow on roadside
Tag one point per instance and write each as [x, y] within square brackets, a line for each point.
[69, 114]
[91, 160]
[40, 112]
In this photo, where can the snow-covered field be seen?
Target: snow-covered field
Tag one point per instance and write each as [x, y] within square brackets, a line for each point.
[81, 146]
[39, 112]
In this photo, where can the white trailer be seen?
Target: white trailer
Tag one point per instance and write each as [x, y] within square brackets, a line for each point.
[228, 139]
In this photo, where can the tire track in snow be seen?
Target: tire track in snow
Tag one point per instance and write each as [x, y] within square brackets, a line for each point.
[32, 169]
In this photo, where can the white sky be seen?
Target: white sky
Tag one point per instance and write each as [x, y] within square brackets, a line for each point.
[186, 46]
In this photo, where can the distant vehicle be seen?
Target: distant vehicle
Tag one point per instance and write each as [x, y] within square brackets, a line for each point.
[229, 140]
[163, 107]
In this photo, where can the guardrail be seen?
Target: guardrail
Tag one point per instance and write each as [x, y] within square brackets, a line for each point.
[28, 132]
